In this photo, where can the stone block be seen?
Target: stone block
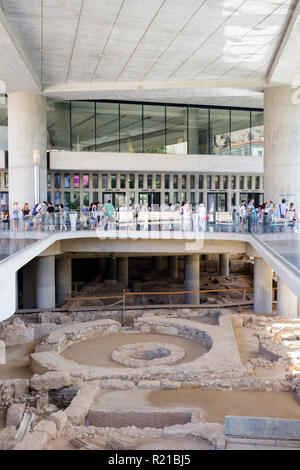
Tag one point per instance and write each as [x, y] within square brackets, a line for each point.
[116, 384]
[47, 426]
[35, 440]
[170, 385]
[166, 330]
[121, 443]
[51, 381]
[262, 428]
[2, 353]
[60, 419]
[14, 414]
[81, 403]
[149, 385]
[7, 437]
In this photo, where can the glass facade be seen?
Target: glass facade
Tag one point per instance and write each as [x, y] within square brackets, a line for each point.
[105, 126]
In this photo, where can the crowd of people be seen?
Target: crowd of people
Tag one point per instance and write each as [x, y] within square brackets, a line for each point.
[44, 216]
[269, 214]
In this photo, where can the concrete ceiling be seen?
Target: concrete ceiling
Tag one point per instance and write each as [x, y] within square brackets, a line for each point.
[195, 51]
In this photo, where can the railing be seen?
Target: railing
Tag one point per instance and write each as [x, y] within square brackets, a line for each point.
[122, 298]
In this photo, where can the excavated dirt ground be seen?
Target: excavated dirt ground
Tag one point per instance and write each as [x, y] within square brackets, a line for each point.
[17, 361]
[215, 405]
[96, 352]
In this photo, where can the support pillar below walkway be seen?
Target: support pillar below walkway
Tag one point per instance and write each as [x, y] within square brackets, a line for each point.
[29, 284]
[173, 267]
[287, 302]
[262, 286]
[63, 278]
[157, 263]
[123, 271]
[45, 286]
[112, 268]
[224, 264]
[191, 278]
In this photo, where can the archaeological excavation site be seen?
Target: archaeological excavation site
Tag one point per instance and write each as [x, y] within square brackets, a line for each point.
[143, 361]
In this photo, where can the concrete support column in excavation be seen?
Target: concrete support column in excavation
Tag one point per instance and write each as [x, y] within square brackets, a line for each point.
[27, 124]
[123, 271]
[112, 267]
[29, 284]
[63, 278]
[45, 288]
[281, 145]
[157, 263]
[191, 278]
[262, 286]
[224, 264]
[173, 267]
[287, 302]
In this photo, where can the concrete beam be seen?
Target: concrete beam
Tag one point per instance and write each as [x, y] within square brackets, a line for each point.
[16, 70]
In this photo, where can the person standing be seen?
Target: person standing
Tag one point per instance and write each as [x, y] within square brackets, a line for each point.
[26, 216]
[109, 211]
[62, 215]
[50, 217]
[242, 214]
[291, 216]
[15, 216]
[251, 214]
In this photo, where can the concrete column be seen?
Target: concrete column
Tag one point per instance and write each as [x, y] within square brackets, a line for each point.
[101, 267]
[112, 268]
[63, 278]
[123, 271]
[45, 286]
[173, 267]
[287, 302]
[27, 124]
[281, 145]
[191, 278]
[157, 263]
[224, 264]
[262, 287]
[29, 284]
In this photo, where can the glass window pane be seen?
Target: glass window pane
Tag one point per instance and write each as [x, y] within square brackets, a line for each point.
[107, 127]
[104, 181]
[141, 181]
[167, 198]
[95, 196]
[49, 180]
[256, 182]
[249, 182]
[167, 181]
[200, 198]
[233, 199]
[208, 182]
[56, 198]
[83, 125]
[219, 132]
[131, 181]
[192, 198]
[192, 181]
[86, 181]
[175, 197]
[242, 182]
[183, 197]
[175, 181]
[233, 182]
[158, 181]
[240, 132]
[198, 131]
[217, 182]
[257, 133]
[122, 181]
[57, 180]
[67, 198]
[131, 128]
[154, 129]
[48, 196]
[149, 181]
[225, 182]
[183, 182]
[200, 181]
[76, 198]
[86, 198]
[58, 125]
[113, 181]
[176, 130]
[67, 180]
[95, 181]
[132, 197]
[76, 181]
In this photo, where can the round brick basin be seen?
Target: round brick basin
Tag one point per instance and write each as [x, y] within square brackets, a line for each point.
[147, 354]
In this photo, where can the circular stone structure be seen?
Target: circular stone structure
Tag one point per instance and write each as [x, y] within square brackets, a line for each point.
[147, 354]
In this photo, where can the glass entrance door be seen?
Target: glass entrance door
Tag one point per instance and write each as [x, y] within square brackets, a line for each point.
[117, 199]
[216, 202]
[153, 200]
